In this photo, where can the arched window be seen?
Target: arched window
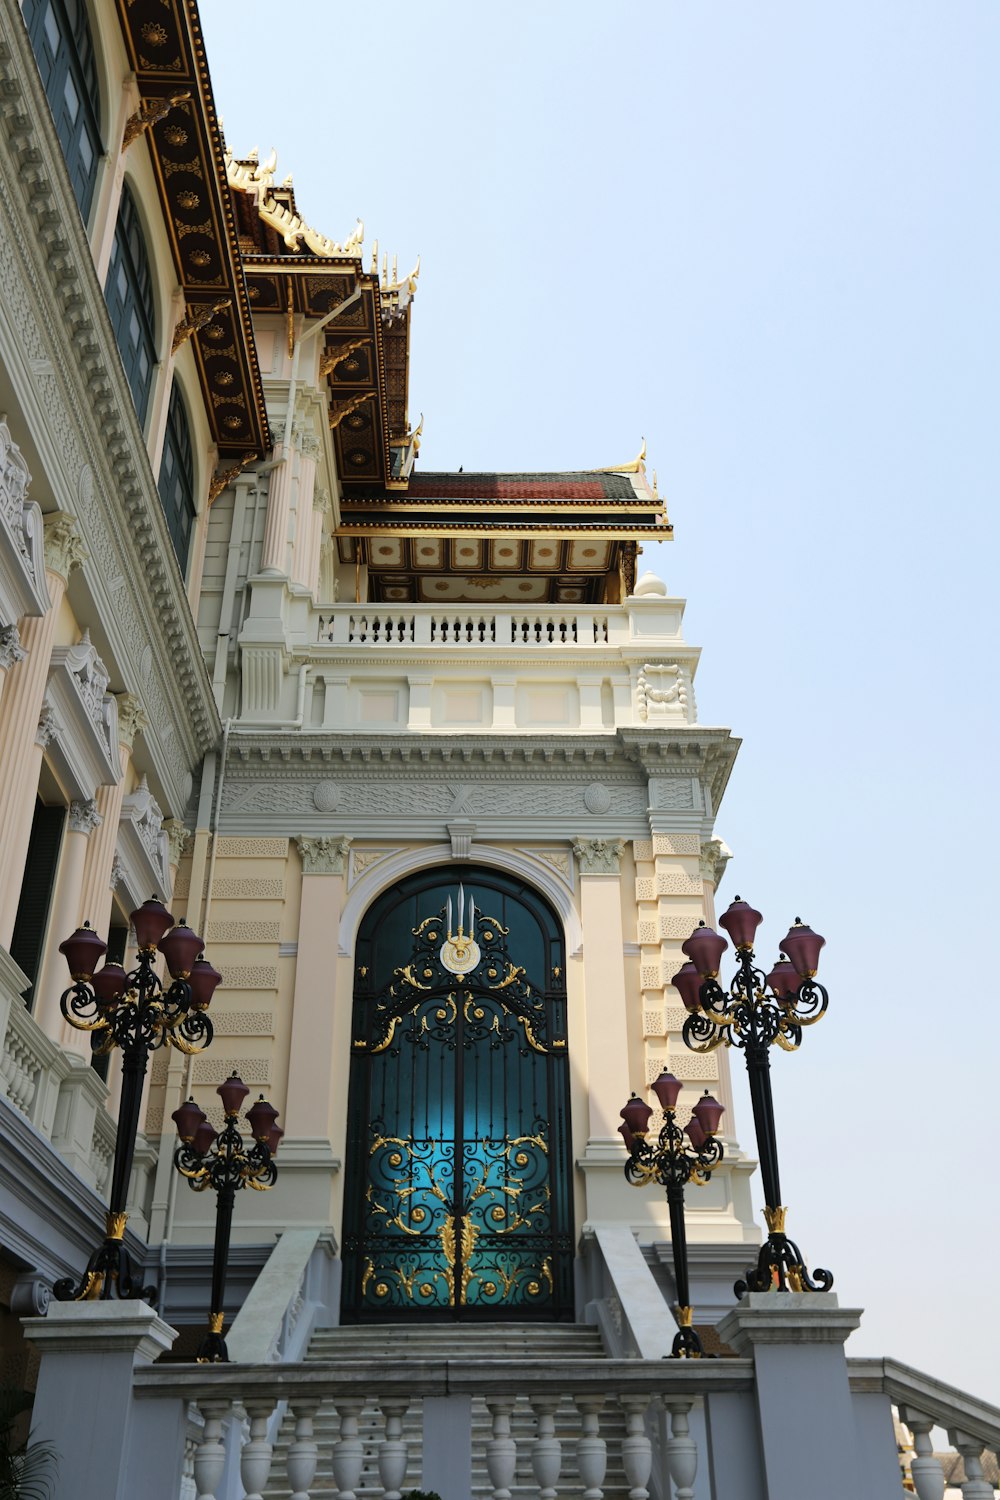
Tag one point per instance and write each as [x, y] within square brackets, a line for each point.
[64, 50]
[176, 484]
[128, 292]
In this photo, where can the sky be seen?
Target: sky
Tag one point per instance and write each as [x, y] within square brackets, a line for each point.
[765, 237]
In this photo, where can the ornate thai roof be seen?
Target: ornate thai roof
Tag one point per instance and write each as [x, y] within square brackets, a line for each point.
[177, 116]
[296, 272]
[492, 538]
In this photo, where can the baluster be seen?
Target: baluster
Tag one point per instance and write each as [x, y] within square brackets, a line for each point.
[501, 1449]
[637, 1450]
[255, 1459]
[925, 1471]
[546, 1450]
[349, 1452]
[210, 1454]
[303, 1452]
[975, 1485]
[682, 1450]
[591, 1450]
[392, 1449]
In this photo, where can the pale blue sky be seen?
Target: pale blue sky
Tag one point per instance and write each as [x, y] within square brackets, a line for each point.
[765, 236]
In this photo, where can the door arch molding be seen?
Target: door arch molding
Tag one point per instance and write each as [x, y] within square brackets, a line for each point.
[391, 871]
[458, 1190]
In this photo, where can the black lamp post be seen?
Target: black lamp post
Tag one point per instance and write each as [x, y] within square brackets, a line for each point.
[756, 1013]
[136, 1012]
[222, 1161]
[673, 1165]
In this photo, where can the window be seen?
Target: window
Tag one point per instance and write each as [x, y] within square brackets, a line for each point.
[36, 892]
[64, 50]
[129, 295]
[176, 484]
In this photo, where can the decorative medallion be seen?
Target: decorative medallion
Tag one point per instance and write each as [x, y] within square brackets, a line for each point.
[154, 34]
[597, 798]
[326, 796]
[460, 953]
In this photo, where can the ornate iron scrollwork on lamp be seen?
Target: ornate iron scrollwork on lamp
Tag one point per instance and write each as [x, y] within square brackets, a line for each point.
[138, 1013]
[756, 1013]
[673, 1165]
[224, 1163]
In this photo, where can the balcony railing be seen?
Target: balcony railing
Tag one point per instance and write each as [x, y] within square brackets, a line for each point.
[427, 625]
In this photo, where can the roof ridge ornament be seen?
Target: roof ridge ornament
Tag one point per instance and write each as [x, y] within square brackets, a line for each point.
[251, 177]
[635, 467]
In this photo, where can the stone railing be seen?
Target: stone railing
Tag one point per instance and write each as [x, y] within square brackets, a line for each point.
[462, 625]
[570, 1405]
[923, 1404]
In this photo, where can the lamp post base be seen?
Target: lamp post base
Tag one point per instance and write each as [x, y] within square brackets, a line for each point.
[212, 1349]
[687, 1344]
[109, 1272]
[781, 1267]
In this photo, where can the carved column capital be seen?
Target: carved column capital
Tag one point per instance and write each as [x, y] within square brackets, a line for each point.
[132, 718]
[713, 859]
[11, 650]
[323, 856]
[84, 817]
[178, 838]
[64, 549]
[599, 856]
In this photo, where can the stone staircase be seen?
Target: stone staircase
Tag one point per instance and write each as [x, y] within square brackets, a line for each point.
[395, 1343]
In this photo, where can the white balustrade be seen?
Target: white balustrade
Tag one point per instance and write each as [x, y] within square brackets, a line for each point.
[637, 1450]
[501, 1449]
[303, 1452]
[255, 1457]
[546, 1451]
[591, 1449]
[925, 1469]
[682, 1450]
[349, 1452]
[210, 1455]
[392, 1450]
[375, 625]
[975, 1486]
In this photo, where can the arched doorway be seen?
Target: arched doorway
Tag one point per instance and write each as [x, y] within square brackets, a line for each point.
[458, 1194]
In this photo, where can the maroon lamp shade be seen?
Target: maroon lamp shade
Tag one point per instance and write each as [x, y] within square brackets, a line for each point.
[626, 1136]
[705, 949]
[687, 981]
[204, 1137]
[150, 922]
[667, 1089]
[109, 984]
[274, 1138]
[187, 1119]
[203, 981]
[636, 1115]
[695, 1133]
[83, 949]
[180, 947]
[741, 922]
[232, 1093]
[261, 1119]
[708, 1112]
[783, 980]
[802, 946]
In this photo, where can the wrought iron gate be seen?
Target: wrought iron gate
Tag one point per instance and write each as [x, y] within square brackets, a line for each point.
[458, 1193]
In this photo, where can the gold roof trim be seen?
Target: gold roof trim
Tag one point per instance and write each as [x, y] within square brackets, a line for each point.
[251, 177]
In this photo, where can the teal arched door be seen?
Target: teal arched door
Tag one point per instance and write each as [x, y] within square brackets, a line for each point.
[458, 1199]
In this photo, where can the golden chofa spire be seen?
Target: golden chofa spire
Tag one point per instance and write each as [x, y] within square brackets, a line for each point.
[635, 467]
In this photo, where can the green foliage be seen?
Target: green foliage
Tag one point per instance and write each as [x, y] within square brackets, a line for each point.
[25, 1473]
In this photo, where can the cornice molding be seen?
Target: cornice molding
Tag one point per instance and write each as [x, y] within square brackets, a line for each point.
[88, 429]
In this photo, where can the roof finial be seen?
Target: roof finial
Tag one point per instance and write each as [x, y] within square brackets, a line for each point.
[375, 259]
